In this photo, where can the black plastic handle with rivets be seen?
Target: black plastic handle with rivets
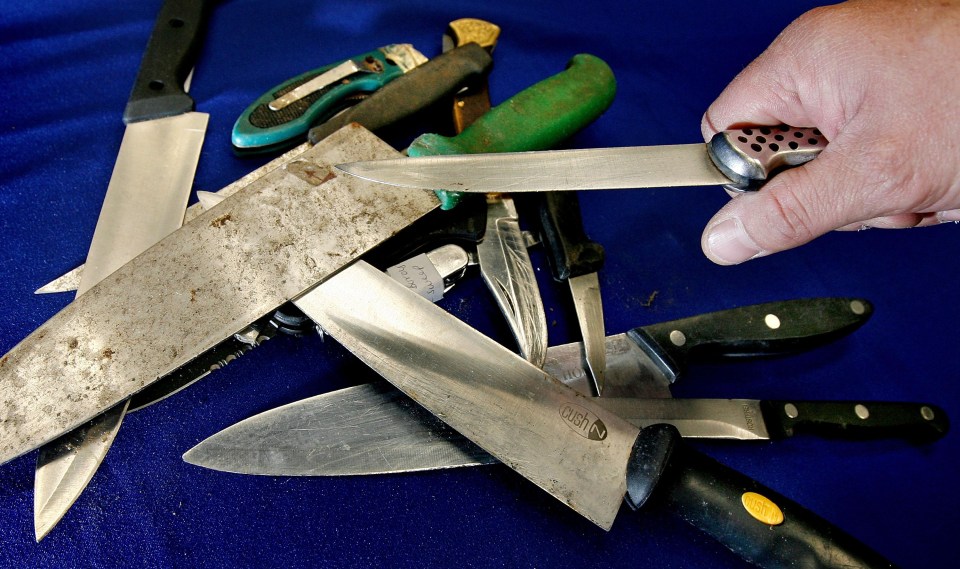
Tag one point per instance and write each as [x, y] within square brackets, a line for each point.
[751, 156]
[921, 422]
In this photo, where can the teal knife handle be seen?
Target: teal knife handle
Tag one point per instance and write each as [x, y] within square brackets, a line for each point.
[424, 85]
[538, 118]
[569, 251]
[770, 329]
[261, 128]
[762, 526]
[919, 422]
[171, 52]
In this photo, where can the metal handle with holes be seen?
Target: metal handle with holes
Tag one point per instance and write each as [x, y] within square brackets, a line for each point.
[751, 156]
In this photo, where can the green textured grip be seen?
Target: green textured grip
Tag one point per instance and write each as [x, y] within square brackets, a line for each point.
[537, 118]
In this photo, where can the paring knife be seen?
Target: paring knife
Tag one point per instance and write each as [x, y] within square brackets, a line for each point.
[145, 201]
[569, 445]
[269, 242]
[375, 429]
[737, 159]
[283, 115]
[502, 254]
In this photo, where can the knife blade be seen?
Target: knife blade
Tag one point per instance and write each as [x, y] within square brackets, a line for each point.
[739, 160]
[273, 239]
[145, 201]
[563, 442]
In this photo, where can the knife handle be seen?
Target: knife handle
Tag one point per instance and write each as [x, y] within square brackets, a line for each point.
[570, 252]
[174, 43]
[762, 526]
[920, 422]
[422, 86]
[769, 329]
[537, 118]
[261, 128]
[751, 156]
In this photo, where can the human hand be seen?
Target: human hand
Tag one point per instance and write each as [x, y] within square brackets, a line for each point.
[881, 80]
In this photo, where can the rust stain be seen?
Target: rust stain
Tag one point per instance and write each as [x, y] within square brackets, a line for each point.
[193, 295]
[220, 221]
[107, 353]
[73, 343]
[310, 172]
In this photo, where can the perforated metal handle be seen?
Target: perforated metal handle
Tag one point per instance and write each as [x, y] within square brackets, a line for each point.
[751, 156]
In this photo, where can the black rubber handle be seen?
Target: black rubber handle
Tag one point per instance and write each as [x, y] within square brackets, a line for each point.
[760, 525]
[920, 422]
[424, 85]
[769, 329]
[570, 252]
[171, 52]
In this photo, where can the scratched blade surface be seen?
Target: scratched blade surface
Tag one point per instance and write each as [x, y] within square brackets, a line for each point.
[508, 272]
[264, 245]
[585, 169]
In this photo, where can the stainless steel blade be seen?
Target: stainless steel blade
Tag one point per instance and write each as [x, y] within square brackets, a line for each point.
[508, 272]
[585, 290]
[148, 191]
[555, 437]
[587, 169]
[267, 243]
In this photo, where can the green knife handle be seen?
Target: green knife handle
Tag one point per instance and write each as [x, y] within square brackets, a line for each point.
[760, 525]
[570, 252]
[769, 329]
[920, 422]
[424, 85]
[174, 43]
[537, 118]
[260, 128]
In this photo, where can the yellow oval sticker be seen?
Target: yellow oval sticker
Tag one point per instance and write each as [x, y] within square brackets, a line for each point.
[762, 508]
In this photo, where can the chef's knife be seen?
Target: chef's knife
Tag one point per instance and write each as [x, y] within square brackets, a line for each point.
[283, 115]
[737, 159]
[273, 239]
[575, 258]
[566, 443]
[502, 254]
[145, 201]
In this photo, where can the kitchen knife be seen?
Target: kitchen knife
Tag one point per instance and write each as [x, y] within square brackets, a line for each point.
[375, 429]
[737, 159]
[574, 258]
[505, 265]
[275, 238]
[284, 114]
[145, 201]
[565, 443]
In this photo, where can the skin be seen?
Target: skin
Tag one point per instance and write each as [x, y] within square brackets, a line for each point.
[881, 80]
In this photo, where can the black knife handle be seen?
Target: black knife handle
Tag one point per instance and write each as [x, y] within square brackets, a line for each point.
[422, 86]
[769, 329]
[570, 252]
[921, 422]
[171, 52]
[743, 514]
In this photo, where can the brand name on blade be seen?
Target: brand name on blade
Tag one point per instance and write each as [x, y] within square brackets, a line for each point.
[582, 422]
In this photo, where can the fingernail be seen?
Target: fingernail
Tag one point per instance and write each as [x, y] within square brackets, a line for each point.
[949, 215]
[729, 243]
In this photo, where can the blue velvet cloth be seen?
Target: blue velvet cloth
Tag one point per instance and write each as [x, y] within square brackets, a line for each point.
[67, 68]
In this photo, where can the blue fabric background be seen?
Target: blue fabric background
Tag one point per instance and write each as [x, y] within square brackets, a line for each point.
[67, 68]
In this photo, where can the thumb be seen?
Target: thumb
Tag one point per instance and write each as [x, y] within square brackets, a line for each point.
[793, 208]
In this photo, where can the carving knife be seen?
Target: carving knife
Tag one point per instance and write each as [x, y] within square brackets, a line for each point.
[504, 262]
[375, 429]
[565, 443]
[739, 160]
[145, 201]
[272, 240]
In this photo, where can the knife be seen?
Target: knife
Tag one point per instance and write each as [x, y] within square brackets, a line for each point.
[272, 240]
[502, 254]
[374, 429]
[145, 201]
[574, 258]
[739, 160]
[285, 113]
[565, 443]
